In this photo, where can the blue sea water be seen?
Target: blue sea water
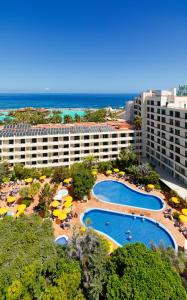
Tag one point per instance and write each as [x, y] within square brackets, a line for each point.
[119, 193]
[125, 228]
[46, 100]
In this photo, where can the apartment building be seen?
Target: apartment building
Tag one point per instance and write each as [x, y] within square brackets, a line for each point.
[164, 129]
[62, 145]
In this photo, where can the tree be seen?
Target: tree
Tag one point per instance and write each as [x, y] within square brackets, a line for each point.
[83, 183]
[91, 252]
[127, 157]
[68, 119]
[138, 125]
[37, 268]
[136, 272]
[98, 115]
[104, 166]
[77, 118]
[90, 161]
[60, 173]
[5, 171]
[143, 173]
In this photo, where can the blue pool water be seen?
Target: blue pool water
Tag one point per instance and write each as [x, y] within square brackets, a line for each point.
[62, 241]
[119, 227]
[119, 193]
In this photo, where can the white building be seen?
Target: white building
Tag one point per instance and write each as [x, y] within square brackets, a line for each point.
[62, 145]
[164, 130]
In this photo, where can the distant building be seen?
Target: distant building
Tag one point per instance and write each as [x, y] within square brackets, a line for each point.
[129, 111]
[164, 129]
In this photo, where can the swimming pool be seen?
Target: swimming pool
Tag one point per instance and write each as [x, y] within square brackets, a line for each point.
[124, 228]
[61, 240]
[119, 193]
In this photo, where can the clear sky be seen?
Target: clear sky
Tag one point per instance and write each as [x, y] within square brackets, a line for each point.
[92, 45]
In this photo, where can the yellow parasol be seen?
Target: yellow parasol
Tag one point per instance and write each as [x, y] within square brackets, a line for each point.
[82, 230]
[67, 180]
[116, 170]
[67, 204]
[108, 172]
[183, 219]
[3, 210]
[21, 207]
[150, 186]
[66, 210]
[68, 199]
[184, 211]
[94, 173]
[28, 180]
[121, 173]
[175, 200]
[56, 212]
[11, 199]
[62, 216]
[42, 177]
[55, 203]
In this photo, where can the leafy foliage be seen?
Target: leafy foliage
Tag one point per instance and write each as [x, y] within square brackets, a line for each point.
[127, 157]
[143, 173]
[60, 173]
[136, 272]
[5, 171]
[83, 183]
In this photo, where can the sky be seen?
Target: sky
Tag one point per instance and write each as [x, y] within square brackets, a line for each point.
[92, 46]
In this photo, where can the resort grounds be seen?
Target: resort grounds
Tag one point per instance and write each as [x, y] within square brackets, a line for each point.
[79, 207]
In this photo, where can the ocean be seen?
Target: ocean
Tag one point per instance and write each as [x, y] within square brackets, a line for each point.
[57, 101]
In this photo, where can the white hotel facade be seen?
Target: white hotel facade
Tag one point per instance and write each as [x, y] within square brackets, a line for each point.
[164, 129]
[62, 145]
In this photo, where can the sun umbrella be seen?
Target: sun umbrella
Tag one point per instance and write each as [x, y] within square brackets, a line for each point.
[56, 212]
[28, 180]
[21, 207]
[175, 200]
[55, 203]
[82, 229]
[108, 172]
[150, 186]
[11, 199]
[121, 173]
[184, 211]
[94, 173]
[68, 199]
[3, 210]
[67, 204]
[62, 216]
[67, 180]
[183, 219]
[66, 210]
[116, 170]
[42, 177]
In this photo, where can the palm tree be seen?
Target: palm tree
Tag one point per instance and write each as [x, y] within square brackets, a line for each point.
[68, 119]
[138, 125]
[90, 161]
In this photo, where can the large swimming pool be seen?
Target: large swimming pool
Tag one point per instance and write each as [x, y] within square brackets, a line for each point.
[119, 193]
[124, 228]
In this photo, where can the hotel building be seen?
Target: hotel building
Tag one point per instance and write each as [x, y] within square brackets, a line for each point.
[164, 129]
[62, 145]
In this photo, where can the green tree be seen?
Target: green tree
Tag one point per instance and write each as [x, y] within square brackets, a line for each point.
[5, 171]
[77, 118]
[127, 157]
[83, 183]
[91, 252]
[68, 119]
[90, 161]
[60, 173]
[104, 166]
[136, 272]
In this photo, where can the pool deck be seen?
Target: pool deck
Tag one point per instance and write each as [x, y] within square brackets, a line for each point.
[80, 207]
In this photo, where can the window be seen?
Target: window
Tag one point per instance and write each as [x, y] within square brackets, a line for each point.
[66, 153]
[177, 158]
[96, 144]
[66, 159]
[86, 145]
[114, 135]
[22, 141]
[123, 134]
[66, 138]
[105, 136]
[96, 136]
[44, 162]
[22, 156]
[34, 148]
[76, 145]
[86, 137]
[66, 146]
[33, 162]
[44, 154]
[11, 150]
[11, 157]
[55, 154]
[11, 142]
[55, 161]
[33, 155]
[76, 137]
[55, 139]
[105, 143]
[114, 142]
[55, 146]
[45, 140]
[45, 147]
[96, 150]
[177, 114]
[34, 140]
[77, 152]
[86, 151]
[22, 149]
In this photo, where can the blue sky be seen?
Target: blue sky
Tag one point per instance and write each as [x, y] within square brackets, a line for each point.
[92, 45]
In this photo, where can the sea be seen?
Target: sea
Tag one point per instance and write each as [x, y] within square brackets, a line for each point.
[63, 101]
